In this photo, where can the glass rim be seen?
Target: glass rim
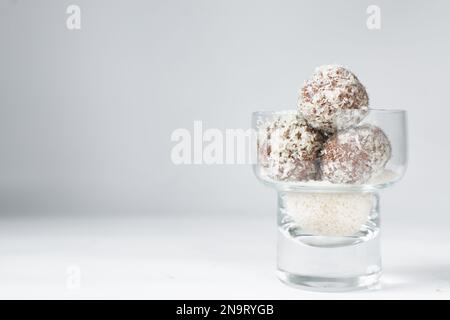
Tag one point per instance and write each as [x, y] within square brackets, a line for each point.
[292, 111]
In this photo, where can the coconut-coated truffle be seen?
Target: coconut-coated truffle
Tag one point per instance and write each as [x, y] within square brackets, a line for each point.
[333, 99]
[288, 149]
[355, 155]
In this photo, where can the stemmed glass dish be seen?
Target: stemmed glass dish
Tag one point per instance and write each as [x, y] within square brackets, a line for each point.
[328, 232]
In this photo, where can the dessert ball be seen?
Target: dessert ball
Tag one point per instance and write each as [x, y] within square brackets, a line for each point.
[355, 155]
[288, 149]
[333, 99]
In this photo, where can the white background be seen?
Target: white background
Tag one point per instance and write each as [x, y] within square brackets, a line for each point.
[195, 258]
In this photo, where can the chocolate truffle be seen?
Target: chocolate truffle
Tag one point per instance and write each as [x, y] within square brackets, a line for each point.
[355, 155]
[333, 99]
[288, 149]
[329, 214]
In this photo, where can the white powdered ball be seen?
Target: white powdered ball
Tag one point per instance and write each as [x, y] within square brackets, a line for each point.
[333, 99]
[329, 214]
[288, 149]
[355, 155]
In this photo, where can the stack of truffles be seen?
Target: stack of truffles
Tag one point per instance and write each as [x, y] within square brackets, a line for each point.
[324, 140]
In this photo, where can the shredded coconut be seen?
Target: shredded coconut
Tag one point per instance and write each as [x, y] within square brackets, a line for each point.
[329, 214]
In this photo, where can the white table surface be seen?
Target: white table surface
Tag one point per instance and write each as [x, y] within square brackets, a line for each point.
[193, 258]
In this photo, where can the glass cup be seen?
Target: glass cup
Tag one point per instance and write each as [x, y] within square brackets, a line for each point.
[328, 232]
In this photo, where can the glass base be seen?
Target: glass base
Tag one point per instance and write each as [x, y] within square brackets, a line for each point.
[329, 284]
[329, 242]
[329, 263]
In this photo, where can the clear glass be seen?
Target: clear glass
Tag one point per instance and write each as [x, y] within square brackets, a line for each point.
[329, 233]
